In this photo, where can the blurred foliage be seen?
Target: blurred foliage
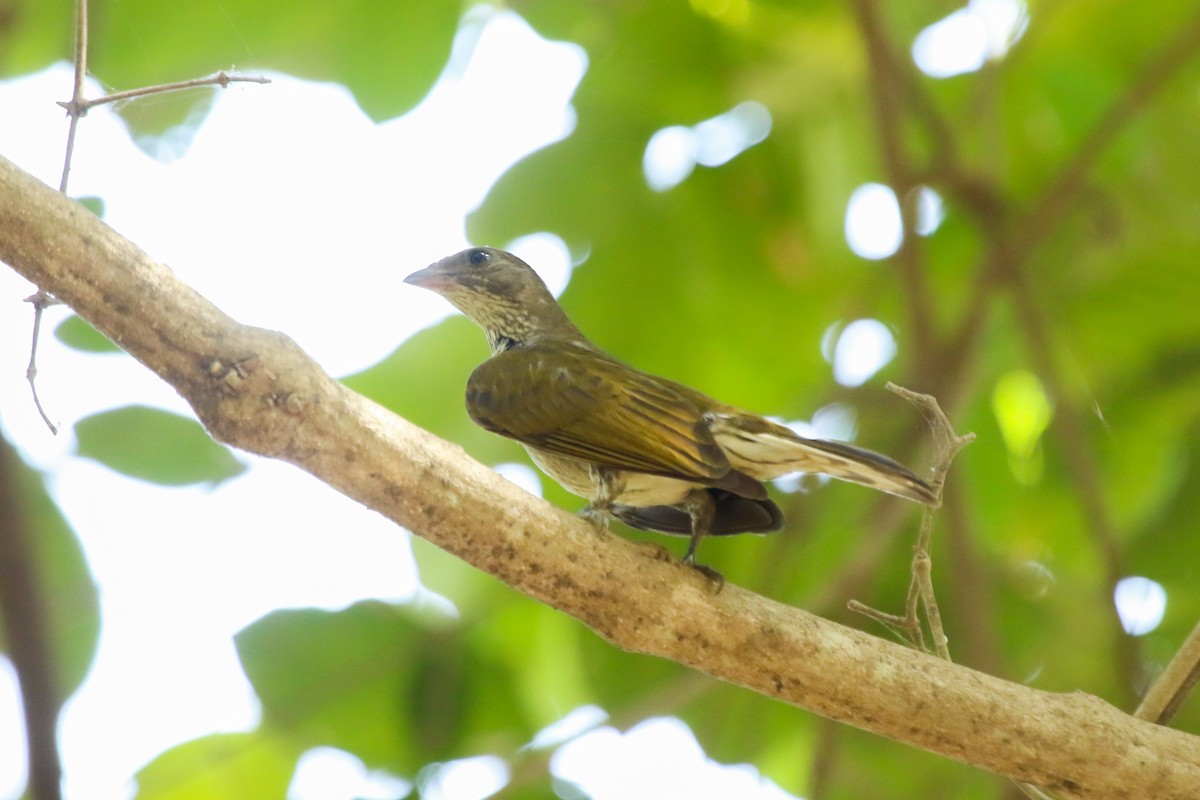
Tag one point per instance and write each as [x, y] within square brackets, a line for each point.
[156, 446]
[388, 52]
[41, 554]
[221, 765]
[1069, 255]
[76, 332]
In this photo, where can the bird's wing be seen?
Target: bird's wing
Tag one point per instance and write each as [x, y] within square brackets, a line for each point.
[585, 405]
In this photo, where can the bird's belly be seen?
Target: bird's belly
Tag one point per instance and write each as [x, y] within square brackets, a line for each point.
[639, 489]
[635, 488]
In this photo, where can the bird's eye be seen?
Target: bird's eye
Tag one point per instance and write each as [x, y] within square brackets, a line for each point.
[478, 257]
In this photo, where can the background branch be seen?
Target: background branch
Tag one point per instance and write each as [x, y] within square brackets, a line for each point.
[26, 633]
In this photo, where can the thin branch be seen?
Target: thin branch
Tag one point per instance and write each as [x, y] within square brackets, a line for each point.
[1176, 682]
[947, 445]
[40, 301]
[280, 404]
[886, 85]
[81, 53]
[80, 107]
[1051, 208]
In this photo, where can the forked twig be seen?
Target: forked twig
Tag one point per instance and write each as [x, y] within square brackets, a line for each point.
[947, 445]
[78, 107]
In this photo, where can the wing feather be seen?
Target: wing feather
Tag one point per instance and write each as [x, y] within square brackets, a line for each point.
[588, 406]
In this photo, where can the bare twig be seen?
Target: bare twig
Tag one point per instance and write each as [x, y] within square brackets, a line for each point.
[80, 107]
[77, 108]
[40, 302]
[947, 445]
[81, 51]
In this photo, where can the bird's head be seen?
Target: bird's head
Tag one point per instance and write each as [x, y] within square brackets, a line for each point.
[499, 292]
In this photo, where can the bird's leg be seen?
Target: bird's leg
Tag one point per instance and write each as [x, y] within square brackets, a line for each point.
[702, 509]
[607, 486]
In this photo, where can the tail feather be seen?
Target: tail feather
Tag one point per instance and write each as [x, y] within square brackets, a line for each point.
[767, 451]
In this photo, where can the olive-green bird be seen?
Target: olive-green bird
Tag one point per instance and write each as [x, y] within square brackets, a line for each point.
[645, 450]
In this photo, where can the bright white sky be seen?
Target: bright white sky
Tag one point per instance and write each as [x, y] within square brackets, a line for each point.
[290, 185]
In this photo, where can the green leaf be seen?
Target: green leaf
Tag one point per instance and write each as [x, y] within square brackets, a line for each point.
[388, 54]
[397, 686]
[66, 608]
[76, 332]
[36, 35]
[93, 204]
[156, 446]
[224, 765]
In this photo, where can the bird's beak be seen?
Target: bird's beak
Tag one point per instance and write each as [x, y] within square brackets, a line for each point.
[432, 277]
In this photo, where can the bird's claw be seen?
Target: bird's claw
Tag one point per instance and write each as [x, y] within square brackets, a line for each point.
[713, 575]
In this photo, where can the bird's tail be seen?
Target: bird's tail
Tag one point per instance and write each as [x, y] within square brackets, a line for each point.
[767, 451]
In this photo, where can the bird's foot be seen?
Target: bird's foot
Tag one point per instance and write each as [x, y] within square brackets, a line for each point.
[598, 517]
[713, 575]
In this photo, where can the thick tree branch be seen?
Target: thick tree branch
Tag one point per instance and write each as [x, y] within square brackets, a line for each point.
[256, 390]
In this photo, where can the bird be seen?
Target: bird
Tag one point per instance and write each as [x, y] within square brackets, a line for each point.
[644, 450]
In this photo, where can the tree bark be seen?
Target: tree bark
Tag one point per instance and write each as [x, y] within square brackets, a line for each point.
[256, 390]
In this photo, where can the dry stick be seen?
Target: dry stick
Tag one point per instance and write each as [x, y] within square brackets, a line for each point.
[1173, 686]
[78, 106]
[947, 445]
